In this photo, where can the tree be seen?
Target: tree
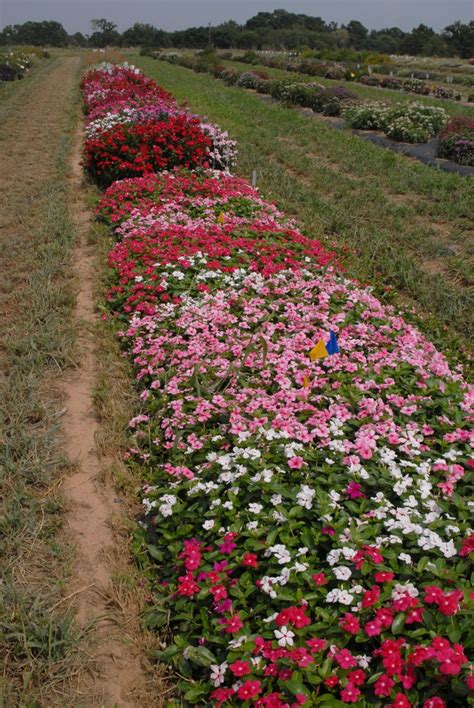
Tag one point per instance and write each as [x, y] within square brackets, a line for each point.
[460, 38]
[104, 33]
[357, 34]
[46, 33]
[144, 35]
[419, 40]
[78, 40]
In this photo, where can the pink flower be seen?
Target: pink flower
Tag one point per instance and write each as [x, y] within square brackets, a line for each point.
[354, 490]
[296, 462]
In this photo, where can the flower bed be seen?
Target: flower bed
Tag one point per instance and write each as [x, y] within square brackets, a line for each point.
[306, 527]
[15, 64]
[135, 128]
[406, 122]
[456, 141]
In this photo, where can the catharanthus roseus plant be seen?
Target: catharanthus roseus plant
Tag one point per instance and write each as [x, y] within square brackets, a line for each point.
[135, 128]
[307, 523]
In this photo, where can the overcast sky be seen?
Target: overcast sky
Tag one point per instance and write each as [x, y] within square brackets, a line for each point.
[75, 15]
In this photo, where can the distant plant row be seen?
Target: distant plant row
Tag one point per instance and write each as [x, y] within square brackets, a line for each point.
[412, 122]
[15, 64]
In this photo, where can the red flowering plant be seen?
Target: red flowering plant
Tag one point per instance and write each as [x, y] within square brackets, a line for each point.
[135, 127]
[306, 528]
[129, 150]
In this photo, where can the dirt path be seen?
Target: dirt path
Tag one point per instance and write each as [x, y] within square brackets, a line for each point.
[38, 178]
[90, 494]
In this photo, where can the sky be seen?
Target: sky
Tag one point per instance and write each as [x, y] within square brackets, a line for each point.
[75, 15]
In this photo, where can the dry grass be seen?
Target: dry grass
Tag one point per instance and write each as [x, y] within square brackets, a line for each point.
[38, 642]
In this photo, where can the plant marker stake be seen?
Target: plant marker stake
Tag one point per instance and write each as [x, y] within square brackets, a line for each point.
[254, 178]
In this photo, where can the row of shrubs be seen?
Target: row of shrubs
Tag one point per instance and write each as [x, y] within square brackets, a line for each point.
[14, 64]
[412, 122]
[405, 122]
[456, 141]
[351, 72]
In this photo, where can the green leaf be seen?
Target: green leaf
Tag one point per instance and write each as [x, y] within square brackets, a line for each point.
[168, 653]
[295, 685]
[398, 623]
[155, 553]
[330, 702]
[200, 656]
[196, 692]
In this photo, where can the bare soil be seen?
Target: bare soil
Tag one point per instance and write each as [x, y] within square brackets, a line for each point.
[89, 492]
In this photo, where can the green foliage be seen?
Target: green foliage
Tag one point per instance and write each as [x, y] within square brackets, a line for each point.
[406, 122]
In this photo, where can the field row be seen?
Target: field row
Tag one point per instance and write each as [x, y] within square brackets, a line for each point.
[410, 122]
[305, 449]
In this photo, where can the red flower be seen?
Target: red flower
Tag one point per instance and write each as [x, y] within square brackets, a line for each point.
[467, 545]
[349, 623]
[240, 668]
[233, 624]
[250, 560]
[249, 690]
[383, 686]
[384, 577]
[401, 701]
[316, 644]
[221, 695]
[294, 616]
[350, 694]
[371, 596]
[434, 702]
[319, 578]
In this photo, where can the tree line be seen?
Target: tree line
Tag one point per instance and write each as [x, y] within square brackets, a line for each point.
[279, 29]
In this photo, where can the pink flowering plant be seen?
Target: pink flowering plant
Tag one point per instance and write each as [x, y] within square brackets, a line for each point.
[306, 529]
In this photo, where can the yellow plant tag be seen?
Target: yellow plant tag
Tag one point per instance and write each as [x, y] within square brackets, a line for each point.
[319, 351]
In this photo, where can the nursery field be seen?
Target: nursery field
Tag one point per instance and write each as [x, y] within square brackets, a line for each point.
[237, 467]
[404, 225]
[366, 92]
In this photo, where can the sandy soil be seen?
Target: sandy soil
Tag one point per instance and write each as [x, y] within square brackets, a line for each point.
[91, 496]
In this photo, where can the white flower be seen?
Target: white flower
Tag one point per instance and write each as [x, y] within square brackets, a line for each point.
[276, 499]
[342, 572]
[305, 497]
[364, 661]
[208, 524]
[271, 618]
[218, 673]
[345, 598]
[252, 525]
[255, 508]
[166, 508]
[405, 557]
[333, 556]
[284, 636]
[400, 591]
[237, 642]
